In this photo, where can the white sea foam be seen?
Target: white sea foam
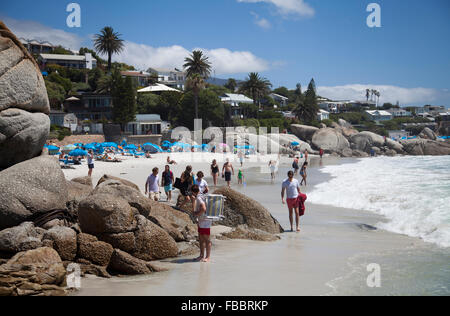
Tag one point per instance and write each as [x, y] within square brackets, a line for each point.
[413, 193]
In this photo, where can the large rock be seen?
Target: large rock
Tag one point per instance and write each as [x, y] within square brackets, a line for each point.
[64, 241]
[425, 147]
[125, 263]
[330, 140]
[133, 196]
[394, 145]
[45, 265]
[83, 180]
[240, 209]
[178, 224]
[244, 232]
[304, 132]
[31, 188]
[344, 128]
[21, 238]
[427, 133]
[24, 126]
[22, 135]
[153, 242]
[364, 141]
[94, 251]
[77, 191]
[105, 213]
[123, 181]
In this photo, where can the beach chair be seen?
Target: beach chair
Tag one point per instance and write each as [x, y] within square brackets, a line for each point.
[215, 205]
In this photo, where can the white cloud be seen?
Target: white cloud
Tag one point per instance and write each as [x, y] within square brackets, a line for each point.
[224, 61]
[389, 93]
[288, 7]
[34, 30]
[261, 22]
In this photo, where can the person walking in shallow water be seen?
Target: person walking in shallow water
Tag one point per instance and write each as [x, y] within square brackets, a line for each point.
[215, 172]
[303, 173]
[227, 172]
[291, 187]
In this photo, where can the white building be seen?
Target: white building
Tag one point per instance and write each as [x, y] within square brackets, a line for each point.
[145, 124]
[379, 115]
[70, 61]
[323, 115]
[172, 78]
[280, 99]
[332, 106]
[400, 113]
[235, 100]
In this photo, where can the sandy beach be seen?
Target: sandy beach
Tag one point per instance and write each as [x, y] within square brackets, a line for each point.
[329, 257]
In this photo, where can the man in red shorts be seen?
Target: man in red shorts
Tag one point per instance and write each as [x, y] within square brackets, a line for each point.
[204, 225]
[292, 188]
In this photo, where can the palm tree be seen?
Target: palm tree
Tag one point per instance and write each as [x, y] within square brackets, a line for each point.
[196, 83]
[256, 86]
[378, 94]
[367, 94]
[108, 42]
[198, 69]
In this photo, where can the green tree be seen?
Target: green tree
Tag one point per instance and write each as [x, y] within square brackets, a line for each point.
[61, 51]
[198, 69]
[56, 94]
[256, 86]
[147, 103]
[307, 106]
[124, 99]
[108, 42]
[231, 85]
[64, 82]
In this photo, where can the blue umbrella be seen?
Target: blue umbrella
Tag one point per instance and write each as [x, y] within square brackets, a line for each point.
[166, 143]
[130, 147]
[109, 144]
[78, 152]
[295, 143]
[151, 147]
[89, 146]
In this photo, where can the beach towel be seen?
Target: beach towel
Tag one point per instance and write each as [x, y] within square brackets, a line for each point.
[301, 202]
[215, 205]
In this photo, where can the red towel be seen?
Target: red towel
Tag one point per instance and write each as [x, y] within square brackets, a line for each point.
[301, 202]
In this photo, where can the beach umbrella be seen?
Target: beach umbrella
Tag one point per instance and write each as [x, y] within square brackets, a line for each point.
[130, 147]
[166, 143]
[77, 152]
[89, 146]
[69, 148]
[79, 144]
[152, 147]
[295, 143]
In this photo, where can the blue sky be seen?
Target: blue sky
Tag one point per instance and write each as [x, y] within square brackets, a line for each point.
[287, 41]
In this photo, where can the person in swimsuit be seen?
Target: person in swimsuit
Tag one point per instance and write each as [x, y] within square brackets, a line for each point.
[273, 168]
[295, 165]
[90, 160]
[215, 172]
[240, 177]
[187, 181]
[303, 173]
[167, 181]
[291, 187]
[227, 172]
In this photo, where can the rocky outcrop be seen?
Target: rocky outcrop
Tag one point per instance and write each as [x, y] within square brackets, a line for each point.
[24, 126]
[304, 132]
[330, 140]
[245, 232]
[133, 196]
[240, 210]
[34, 272]
[123, 181]
[64, 241]
[421, 147]
[21, 238]
[428, 134]
[22, 135]
[96, 252]
[113, 220]
[84, 181]
[125, 263]
[177, 224]
[77, 191]
[31, 188]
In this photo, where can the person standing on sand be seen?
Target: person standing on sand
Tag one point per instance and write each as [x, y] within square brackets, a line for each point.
[241, 158]
[306, 155]
[215, 172]
[167, 181]
[202, 184]
[292, 188]
[204, 225]
[303, 173]
[152, 185]
[187, 181]
[240, 177]
[90, 161]
[321, 153]
[227, 172]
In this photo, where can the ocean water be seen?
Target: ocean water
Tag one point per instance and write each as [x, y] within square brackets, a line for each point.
[412, 193]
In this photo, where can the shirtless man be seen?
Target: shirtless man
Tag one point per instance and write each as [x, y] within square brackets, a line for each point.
[227, 172]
